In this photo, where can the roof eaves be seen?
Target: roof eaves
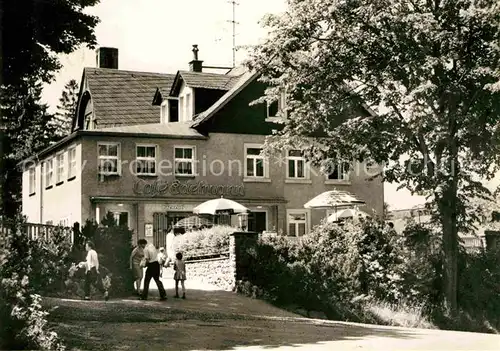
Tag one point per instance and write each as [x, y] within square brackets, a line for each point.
[146, 135]
[205, 116]
[175, 82]
[52, 147]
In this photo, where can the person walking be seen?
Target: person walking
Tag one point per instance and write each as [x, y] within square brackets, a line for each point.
[92, 276]
[152, 270]
[135, 265]
[162, 259]
[179, 275]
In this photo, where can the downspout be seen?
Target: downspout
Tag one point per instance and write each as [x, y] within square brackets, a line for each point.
[41, 192]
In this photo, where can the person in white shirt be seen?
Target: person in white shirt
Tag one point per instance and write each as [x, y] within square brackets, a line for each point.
[92, 276]
[152, 270]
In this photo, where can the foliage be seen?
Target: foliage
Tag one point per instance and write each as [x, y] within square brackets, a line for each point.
[331, 269]
[367, 272]
[24, 322]
[430, 68]
[29, 58]
[206, 241]
[26, 129]
[113, 244]
[66, 109]
[40, 36]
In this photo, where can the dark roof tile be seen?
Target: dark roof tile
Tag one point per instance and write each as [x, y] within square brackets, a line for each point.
[125, 97]
[208, 80]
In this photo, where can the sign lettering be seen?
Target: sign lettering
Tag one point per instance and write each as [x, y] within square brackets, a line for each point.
[176, 187]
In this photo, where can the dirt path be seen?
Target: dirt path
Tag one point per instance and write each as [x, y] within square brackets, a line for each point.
[218, 320]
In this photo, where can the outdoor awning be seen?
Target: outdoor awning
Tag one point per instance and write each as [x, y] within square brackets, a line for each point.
[334, 199]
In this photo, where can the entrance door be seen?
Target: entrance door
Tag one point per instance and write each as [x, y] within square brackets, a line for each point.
[257, 221]
[162, 222]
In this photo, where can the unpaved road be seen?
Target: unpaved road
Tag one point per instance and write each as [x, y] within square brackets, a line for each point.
[216, 320]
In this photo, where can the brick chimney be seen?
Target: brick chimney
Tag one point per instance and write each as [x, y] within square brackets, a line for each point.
[107, 57]
[195, 65]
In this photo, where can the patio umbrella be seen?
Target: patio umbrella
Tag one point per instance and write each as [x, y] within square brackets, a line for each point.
[333, 199]
[193, 221]
[347, 213]
[219, 205]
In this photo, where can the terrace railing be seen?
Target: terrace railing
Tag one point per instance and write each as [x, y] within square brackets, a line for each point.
[34, 231]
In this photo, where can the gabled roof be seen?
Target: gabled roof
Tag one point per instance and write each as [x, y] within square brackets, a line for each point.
[202, 80]
[241, 83]
[124, 97]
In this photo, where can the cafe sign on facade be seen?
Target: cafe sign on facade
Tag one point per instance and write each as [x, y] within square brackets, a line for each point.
[176, 187]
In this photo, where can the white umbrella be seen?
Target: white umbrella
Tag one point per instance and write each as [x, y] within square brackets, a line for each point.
[347, 213]
[220, 205]
[333, 199]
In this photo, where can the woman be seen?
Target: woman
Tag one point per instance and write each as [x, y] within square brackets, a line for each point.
[136, 257]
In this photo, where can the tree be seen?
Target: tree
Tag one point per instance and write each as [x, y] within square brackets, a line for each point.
[34, 32]
[66, 108]
[431, 68]
[27, 129]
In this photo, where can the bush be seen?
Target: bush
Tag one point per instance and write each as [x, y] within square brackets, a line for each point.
[24, 323]
[209, 241]
[113, 244]
[335, 269]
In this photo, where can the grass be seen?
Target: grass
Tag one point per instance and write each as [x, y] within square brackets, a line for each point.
[399, 315]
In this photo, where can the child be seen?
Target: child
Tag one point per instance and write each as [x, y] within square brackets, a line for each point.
[179, 275]
[162, 259]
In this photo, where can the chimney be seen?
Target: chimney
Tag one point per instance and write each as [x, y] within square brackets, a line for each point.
[107, 58]
[195, 64]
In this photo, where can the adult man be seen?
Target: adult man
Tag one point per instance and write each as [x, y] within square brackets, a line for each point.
[92, 276]
[152, 270]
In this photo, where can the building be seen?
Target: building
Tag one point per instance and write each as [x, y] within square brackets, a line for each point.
[149, 147]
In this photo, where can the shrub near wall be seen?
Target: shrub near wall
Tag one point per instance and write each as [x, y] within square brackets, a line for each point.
[23, 320]
[336, 270]
[209, 241]
[113, 245]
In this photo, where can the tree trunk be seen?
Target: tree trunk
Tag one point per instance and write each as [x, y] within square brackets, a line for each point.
[448, 207]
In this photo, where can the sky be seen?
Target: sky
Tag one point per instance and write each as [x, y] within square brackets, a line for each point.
[157, 36]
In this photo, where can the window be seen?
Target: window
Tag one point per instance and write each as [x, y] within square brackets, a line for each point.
[274, 108]
[32, 180]
[72, 162]
[60, 168]
[173, 110]
[109, 158]
[339, 172]
[90, 122]
[296, 165]
[121, 218]
[184, 157]
[146, 159]
[297, 222]
[255, 164]
[49, 172]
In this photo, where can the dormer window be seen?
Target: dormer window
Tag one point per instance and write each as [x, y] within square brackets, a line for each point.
[173, 110]
[170, 110]
[274, 108]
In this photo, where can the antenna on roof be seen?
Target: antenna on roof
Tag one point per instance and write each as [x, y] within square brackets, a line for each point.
[234, 23]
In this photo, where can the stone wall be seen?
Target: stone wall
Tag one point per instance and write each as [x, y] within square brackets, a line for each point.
[223, 272]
